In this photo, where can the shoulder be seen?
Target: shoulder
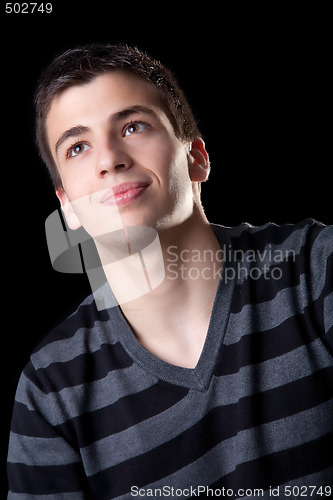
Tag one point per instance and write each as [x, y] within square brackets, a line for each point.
[73, 361]
[301, 256]
[80, 334]
[297, 237]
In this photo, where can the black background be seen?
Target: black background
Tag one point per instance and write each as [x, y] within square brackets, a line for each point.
[258, 82]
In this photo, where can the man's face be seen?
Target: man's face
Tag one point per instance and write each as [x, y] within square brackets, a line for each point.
[116, 149]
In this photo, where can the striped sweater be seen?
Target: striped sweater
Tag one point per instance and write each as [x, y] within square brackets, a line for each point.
[97, 416]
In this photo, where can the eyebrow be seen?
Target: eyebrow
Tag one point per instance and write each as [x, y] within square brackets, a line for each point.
[125, 113]
[119, 115]
[71, 132]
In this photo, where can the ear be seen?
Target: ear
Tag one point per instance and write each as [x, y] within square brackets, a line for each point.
[199, 166]
[70, 216]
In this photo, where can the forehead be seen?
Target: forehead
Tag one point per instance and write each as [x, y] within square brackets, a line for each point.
[95, 101]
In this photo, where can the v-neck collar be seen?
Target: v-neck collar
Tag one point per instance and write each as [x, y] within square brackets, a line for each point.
[197, 378]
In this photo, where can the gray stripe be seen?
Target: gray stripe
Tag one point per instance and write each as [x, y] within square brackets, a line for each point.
[33, 398]
[56, 496]
[287, 302]
[271, 255]
[328, 312]
[321, 250]
[254, 443]
[275, 373]
[318, 479]
[268, 314]
[41, 451]
[249, 445]
[67, 349]
[71, 402]
[160, 429]
[58, 407]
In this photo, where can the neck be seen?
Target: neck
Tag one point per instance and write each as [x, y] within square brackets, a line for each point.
[171, 292]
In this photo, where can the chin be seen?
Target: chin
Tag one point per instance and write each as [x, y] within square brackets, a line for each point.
[156, 219]
[136, 221]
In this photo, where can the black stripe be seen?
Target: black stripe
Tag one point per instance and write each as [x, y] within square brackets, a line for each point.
[329, 273]
[86, 316]
[31, 423]
[329, 340]
[328, 286]
[271, 234]
[257, 347]
[278, 277]
[281, 467]
[126, 412]
[263, 289]
[218, 425]
[43, 480]
[84, 368]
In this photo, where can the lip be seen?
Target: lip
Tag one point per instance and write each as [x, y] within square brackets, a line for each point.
[125, 193]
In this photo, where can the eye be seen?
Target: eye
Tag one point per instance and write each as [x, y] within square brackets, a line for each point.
[134, 128]
[77, 149]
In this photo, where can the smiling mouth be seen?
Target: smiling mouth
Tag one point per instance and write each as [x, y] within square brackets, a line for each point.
[124, 194]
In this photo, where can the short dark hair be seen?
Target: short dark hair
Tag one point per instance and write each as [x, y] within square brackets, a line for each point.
[81, 65]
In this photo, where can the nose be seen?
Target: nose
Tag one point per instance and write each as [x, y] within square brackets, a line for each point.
[111, 156]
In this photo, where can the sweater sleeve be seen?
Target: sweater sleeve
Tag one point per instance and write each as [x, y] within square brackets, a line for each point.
[321, 274]
[41, 461]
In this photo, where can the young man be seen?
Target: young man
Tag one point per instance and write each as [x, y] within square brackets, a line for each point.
[215, 379]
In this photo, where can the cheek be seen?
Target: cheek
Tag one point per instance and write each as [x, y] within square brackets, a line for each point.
[77, 183]
[178, 175]
[75, 191]
[168, 162]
